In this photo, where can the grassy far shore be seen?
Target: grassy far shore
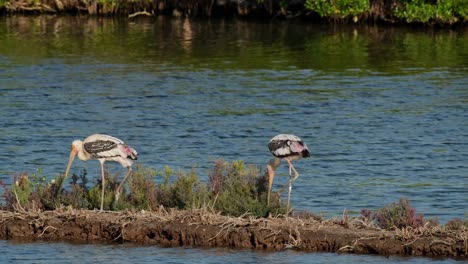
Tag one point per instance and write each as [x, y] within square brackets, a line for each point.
[233, 189]
[427, 12]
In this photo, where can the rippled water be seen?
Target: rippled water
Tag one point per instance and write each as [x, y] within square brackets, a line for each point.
[383, 110]
[14, 252]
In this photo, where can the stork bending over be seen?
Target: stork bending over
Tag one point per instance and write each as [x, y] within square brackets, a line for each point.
[290, 148]
[103, 148]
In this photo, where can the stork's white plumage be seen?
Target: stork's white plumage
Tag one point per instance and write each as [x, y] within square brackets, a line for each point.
[103, 148]
[288, 147]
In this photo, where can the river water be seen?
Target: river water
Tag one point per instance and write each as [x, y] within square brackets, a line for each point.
[384, 112]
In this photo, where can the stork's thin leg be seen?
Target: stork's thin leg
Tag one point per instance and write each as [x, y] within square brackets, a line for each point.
[117, 193]
[103, 185]
[291, 179]
[289, 183]
[296, 174]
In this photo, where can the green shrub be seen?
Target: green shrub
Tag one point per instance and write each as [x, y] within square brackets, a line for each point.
[338, 8]
[443, 11]
[182, 190]
[460, 8]
[142, 188]
[95, 193]
[78, 195]
[239, 189]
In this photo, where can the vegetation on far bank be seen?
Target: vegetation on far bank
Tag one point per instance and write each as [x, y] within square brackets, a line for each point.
[233, 189]
[440, 12]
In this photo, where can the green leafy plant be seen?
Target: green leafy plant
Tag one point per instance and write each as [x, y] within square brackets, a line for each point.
[338, 8]
[461, 9]
[442, 11]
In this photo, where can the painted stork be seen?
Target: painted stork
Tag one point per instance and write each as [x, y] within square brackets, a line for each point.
[103, 148]
[290, 148]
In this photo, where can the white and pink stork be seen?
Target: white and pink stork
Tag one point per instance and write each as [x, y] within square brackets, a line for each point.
[290, 148]
[103, 148]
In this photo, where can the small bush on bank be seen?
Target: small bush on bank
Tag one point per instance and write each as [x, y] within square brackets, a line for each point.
[181, 192]
[395, 215]
[141, 190]
[237, 189]
[77, 196]
[457, 224]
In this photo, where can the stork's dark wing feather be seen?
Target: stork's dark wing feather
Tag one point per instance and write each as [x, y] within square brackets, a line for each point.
[275, 145]
[288, 145]
[98, 146]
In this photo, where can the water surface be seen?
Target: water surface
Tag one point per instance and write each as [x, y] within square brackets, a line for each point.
[17, 252]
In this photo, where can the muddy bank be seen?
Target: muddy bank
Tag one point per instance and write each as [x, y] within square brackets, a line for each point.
[200, 228]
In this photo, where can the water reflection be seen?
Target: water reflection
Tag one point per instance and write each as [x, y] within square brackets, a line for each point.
[236, 44]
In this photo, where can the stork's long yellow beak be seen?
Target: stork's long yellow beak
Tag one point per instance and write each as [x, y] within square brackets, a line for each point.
[271, 176]
[70, 160]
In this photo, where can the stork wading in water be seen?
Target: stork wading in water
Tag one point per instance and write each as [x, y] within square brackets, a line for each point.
[290, 148]
[103, 148]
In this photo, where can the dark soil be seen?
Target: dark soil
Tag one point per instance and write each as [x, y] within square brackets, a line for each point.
[201, 228]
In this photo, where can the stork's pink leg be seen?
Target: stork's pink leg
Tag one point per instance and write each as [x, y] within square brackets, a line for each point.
[291, 179]
[117, 193]
[296, 174]
[103, 185]
[289, 183]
